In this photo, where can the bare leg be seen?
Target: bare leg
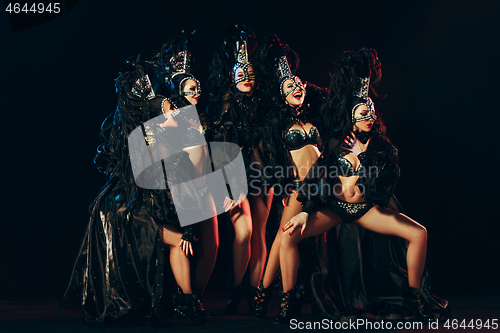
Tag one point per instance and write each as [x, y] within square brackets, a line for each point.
[291, 208]
[388, 222]
[317, 223]
[260, 205]
[178, 260]
[209, 238]
[242, 222]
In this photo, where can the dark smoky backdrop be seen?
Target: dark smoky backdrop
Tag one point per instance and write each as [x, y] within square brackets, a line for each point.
[440, 78]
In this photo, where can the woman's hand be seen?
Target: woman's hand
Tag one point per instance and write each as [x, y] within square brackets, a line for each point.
[230, 203]
[186, 247]
[188, 237]
[298, 220]
[356, 146]
[196, 124]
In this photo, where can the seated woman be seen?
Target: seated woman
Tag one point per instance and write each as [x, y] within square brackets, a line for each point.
[134, 230]
[352, 182]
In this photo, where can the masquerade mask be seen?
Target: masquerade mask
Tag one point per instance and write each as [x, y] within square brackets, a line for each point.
[363, 94]
[196, 92]
[242, 62]
[284, 73]
[180, 64]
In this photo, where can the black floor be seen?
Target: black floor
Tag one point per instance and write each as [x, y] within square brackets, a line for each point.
[43, 316]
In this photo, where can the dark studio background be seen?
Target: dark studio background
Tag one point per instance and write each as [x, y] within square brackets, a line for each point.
[440, 67]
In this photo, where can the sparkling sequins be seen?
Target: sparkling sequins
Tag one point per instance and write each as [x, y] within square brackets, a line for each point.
[143, 88]
[196, 92]
[296, 138]
[352, 208]
[365, 85]
[284, 73]
[348, 211]
[242, 62]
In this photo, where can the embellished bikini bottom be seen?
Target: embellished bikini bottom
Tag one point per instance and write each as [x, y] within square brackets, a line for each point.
[347, 211]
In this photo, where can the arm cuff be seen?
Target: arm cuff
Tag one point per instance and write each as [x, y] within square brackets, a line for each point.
[189, 233]
[308, 207]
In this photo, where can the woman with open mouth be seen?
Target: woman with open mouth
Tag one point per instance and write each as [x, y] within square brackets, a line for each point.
[352, 183]
[296, 138]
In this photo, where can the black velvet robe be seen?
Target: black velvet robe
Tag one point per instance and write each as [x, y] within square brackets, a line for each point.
[119, 271]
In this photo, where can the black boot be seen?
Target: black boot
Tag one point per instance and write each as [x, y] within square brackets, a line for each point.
[201, 309]
[415, 303]
[234, 300]
[189, 307]
[252, 299]
[261, 298]
[288, 309]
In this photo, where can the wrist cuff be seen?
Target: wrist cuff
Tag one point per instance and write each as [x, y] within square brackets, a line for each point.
[308, 207]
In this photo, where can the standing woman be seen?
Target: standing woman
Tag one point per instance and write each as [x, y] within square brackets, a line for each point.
[119, 272]
[234, 106]
[295, 147]
[353, 181]
[181, 88]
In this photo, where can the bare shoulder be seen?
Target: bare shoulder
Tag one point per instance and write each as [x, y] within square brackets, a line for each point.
[166, 105]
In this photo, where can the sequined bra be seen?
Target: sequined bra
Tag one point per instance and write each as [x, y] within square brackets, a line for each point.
[296, 138]
[346, 169]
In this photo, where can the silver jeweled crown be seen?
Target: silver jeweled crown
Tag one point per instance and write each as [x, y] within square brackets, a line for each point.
[363, 93]
[241, 56]
[285, 73]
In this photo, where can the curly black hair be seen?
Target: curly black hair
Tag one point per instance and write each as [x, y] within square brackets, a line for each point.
[220, 82]
[266, 60]
[166, 84]
[345, 82]
[134, 107]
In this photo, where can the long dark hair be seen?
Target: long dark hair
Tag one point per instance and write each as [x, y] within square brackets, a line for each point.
[220, 82]
[266, 59]
[344, 83]
[166, 83]
[134, 107]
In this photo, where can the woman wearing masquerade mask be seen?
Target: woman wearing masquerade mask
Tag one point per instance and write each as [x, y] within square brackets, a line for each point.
[234, 106]
[181, 89]
[296, 142]
[119, 272]
[352, 182]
